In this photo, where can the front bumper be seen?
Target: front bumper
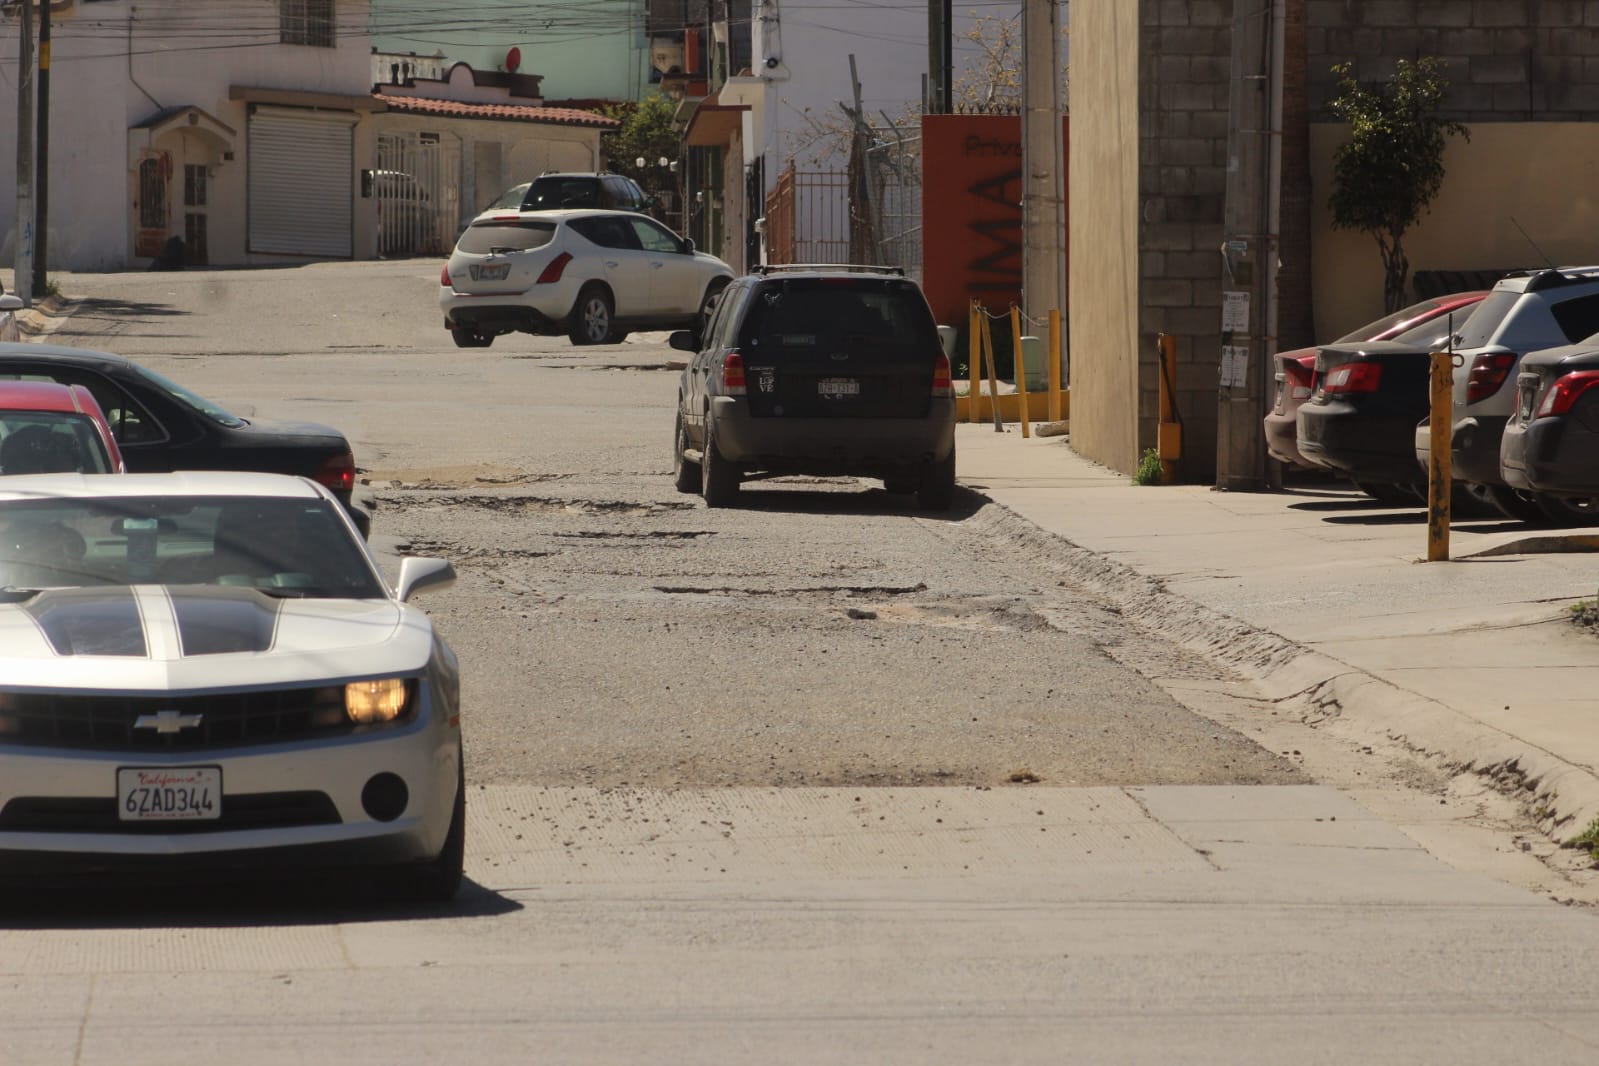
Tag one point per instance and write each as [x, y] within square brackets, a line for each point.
[423, 754]
[1557, 455]
[869, 446]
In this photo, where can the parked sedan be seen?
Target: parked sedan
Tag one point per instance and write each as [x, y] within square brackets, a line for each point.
[1296, 370]
[593, 275]
[207, 674]
[160, 425]
[1361, 418]
[1550, 447]
[46, 428]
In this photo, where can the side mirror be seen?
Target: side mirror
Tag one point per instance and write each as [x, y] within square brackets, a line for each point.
[946, 341]
[419, 572]
[8, 302]
[684, 340]
[688, 245]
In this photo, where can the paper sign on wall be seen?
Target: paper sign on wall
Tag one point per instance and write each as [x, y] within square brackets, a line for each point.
[1235, 312]
[1234, 366]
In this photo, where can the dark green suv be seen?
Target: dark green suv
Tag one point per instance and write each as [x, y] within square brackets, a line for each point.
[822, 371]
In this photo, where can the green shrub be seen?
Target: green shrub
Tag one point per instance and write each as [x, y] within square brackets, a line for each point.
[1148, 472]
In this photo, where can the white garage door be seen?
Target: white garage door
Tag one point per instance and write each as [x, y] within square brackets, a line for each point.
[301, 167]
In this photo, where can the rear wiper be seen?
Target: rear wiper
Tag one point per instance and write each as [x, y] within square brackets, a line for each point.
[13, 594]
[292, 592]
[501, 249]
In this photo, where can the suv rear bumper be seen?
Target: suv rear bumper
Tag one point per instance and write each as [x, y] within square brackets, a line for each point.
[831, 445]
[502, 318]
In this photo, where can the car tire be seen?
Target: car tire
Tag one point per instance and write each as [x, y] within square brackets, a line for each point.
[1564, 511]
[471, 338]
[712, 291]
[1515, 504]
[685, 475]
[936, 489]
[718, 479]
[439, 879]
[593, 318]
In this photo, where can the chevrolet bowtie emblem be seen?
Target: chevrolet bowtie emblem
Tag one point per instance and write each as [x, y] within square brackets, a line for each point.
[168, 721]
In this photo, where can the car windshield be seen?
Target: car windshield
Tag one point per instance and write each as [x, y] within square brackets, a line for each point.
[511, 197]
[550, 193]
[280, 546]
[504, 235]
[214, 411]
[50, 442]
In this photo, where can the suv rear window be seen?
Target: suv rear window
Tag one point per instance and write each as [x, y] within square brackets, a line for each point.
[1485, 320]
[1578, 318]
[482, 238]
[813, 313]
[548, 193]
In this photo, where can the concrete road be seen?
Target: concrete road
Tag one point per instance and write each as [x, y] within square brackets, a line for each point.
[819, 779]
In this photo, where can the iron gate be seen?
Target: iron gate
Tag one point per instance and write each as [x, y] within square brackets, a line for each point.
[417, 193]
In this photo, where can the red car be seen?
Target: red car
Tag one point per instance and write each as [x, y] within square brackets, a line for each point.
[1296, 370]
[50, 428]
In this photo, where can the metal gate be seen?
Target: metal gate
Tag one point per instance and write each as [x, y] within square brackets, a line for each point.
[808, 217]
[417, 193]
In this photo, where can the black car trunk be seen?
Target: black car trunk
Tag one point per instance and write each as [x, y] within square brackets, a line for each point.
[840, 348]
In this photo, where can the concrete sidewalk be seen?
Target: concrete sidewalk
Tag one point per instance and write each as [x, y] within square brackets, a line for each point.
[1321, 595]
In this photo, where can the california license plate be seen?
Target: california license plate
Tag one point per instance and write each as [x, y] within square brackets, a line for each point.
[838, 387]
[169, 793]
[494, 272]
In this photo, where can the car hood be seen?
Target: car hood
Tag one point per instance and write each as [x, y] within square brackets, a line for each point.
[307, 434]
[182, 637]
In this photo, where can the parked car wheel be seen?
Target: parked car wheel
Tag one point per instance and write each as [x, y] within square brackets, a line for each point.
[1567, 511]
[471, 338]
[1513, 503]
[718, 480]
[685, 475]
[592, 320]
[937, 488]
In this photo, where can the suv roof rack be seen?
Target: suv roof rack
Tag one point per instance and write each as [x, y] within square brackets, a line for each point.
[863, 268]
[1555, 277]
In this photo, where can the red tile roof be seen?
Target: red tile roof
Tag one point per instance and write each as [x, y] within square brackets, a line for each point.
[559, 116]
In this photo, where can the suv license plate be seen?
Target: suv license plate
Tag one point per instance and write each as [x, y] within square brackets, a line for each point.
[169, 793]
[497, 272]
[838, 387]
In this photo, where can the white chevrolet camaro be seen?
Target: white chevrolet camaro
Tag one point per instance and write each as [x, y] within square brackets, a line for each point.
[208, 674]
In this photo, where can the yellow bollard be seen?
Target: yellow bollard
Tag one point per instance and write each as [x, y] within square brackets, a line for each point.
[993, 372]
[1440, 461]
[1054, 365]
[1169, 432]
[974, 360]
[1018, 366]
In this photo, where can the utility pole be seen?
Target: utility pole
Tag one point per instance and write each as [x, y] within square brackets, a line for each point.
[1249, 251]
[22, 276]
[41, 187]
[940, 57]
[1043, 253]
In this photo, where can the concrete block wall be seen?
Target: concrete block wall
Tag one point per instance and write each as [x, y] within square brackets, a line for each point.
[1185, 52]
[1509, 60]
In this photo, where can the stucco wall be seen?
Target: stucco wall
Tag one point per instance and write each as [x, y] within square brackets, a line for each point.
[1103, 288]
[1502, 174]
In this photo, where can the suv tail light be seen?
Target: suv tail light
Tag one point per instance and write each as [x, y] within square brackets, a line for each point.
[554, 269]
[1352, 377]
[1488, 373]
[733, 374]
[337, 474]
[942, 386]
[1560, 396]
[444, 276]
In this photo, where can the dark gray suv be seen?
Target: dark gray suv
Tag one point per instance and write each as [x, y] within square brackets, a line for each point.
[551, 192]
[817, 370]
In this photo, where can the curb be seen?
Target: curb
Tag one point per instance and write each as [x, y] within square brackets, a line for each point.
[46, 316]
[1564, 796]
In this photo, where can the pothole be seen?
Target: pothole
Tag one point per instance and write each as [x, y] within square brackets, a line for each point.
[540, 505]
[653, 534]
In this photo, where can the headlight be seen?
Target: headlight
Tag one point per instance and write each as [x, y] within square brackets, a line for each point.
[371, 702]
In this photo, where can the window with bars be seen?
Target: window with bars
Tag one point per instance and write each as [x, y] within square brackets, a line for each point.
[306, 22]
[152, 195]
[194, 185]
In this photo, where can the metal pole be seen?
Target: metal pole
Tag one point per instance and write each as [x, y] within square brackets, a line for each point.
[22, 276]
[1053, 356]
[1020, 367]
[974, 360]
[1438, 466]
[41, 188]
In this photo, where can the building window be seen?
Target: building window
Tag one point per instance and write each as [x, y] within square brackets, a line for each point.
[193, 185]
[306, 22]
[152, 195]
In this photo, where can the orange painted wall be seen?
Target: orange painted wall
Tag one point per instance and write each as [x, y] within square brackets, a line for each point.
[972, 212]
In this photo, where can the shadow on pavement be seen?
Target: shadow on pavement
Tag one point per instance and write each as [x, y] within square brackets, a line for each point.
[785, 498]
[107, 904]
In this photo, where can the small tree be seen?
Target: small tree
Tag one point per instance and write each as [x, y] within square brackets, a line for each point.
[645, 133]
[1392, 166]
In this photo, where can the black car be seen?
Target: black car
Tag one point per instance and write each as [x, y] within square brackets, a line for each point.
[817, 371]
[161, 426]
[551, 192]
[1550, 446]
[1361, 417]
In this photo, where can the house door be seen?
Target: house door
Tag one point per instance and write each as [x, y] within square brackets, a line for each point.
[155, 171]
[301, 182]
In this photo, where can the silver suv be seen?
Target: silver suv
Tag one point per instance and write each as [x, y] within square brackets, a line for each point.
[1525, 312]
